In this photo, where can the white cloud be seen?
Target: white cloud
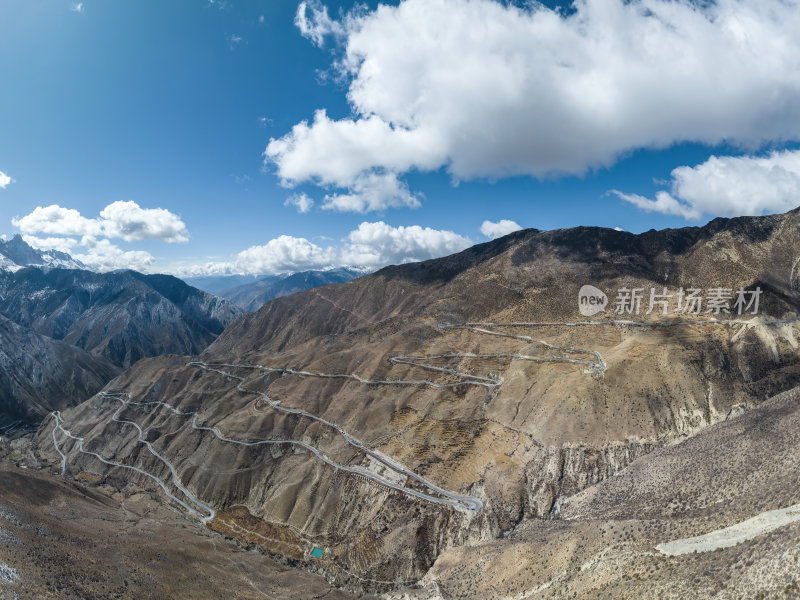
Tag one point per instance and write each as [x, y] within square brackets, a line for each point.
[495, 230]
[234, 40]
[62, 244]
[4, 180]
[279, 255]
[301, 201]
[99, 255]
[285, 253]
[339, 152]
[490, 89]
[102, 255]
[125, 220]
[119, 220]
[372, 191]
[729, 186]
[77, 7]
[379, 244]
[372, 245]
[314, 23]
[57, 220]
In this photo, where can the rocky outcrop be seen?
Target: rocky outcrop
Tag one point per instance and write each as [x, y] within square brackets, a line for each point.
[557, 473]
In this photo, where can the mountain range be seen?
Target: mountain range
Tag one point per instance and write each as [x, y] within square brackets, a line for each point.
[122, 315]
[432, 426]
[67, 331]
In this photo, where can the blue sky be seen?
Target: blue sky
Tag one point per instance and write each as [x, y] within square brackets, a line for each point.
[171, 105]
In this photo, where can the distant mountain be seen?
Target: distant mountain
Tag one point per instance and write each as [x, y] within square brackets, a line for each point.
[66, 331]
[122, 316]
[41, 374]
[16, 253]
[216, 284]
[252, 296]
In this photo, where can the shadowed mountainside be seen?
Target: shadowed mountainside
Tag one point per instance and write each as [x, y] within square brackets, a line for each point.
[122, 316]
[41, 374]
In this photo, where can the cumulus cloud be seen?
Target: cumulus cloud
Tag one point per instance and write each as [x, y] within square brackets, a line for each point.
[279, 255]
[88, 239]
[125, 220]
[495, 230]
[372, 245]
[301, 201]
[102, 255]
[491, 89]
[4, 180]
[77, 7]
[61, 244]
[372, 191]
[99, 255]
[379, 244]
[729, 186]
[57, 220]
[284, 253]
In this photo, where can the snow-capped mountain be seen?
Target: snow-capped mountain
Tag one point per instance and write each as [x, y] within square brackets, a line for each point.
[17, 253]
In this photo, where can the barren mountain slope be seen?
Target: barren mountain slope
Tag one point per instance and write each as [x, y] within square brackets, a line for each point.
[452, 431]
[608, 540]
[61, 541]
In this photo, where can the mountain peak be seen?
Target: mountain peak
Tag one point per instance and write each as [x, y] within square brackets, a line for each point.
[18, 253]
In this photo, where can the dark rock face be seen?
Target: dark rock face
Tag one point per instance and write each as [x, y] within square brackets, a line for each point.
[40, 374]
[122, 316]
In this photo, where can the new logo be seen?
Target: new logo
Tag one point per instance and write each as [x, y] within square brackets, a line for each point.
[591, 301]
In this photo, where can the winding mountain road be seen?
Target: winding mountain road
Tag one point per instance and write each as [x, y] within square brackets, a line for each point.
[211, 513]
[435, 494]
